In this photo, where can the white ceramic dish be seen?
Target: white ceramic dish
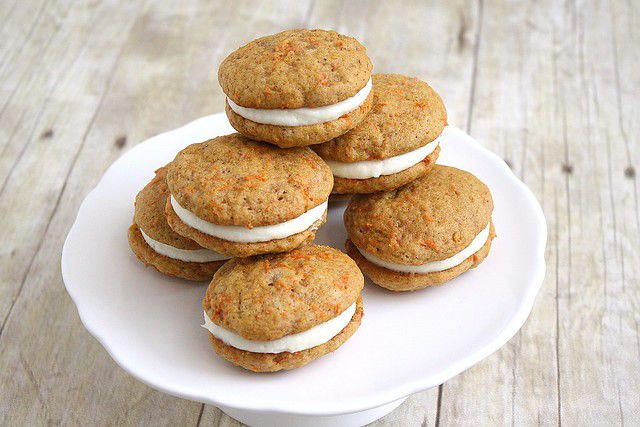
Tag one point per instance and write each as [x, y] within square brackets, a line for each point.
[150, 324]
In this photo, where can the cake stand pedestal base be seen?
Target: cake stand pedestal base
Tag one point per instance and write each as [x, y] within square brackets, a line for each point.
[271, 419]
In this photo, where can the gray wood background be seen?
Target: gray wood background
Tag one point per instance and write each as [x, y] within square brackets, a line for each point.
[553, 87]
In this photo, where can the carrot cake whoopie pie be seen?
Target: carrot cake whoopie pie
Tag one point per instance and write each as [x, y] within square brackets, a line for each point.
[297, 87]
[396, 143]
[241, 197]
[156, 244]
[423, 234]
[281, 311]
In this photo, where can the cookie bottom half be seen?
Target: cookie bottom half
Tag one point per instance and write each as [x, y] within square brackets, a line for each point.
[399, 282]
[271, 362]
[299, 136]
[236, 249]
[385, 182]
[197, 271]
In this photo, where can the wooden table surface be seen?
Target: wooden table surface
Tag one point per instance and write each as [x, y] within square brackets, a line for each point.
[552, 87]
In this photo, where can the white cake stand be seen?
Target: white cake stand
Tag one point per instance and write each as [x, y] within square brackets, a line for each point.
[408, 342]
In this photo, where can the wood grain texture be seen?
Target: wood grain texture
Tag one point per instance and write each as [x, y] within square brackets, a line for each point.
[551, 87]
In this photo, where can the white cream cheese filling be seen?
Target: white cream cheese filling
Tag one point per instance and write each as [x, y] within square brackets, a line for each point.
[313, 337]
[240, 234]
[435, 266]
[303, 116]
[187, 255]
[375, 168]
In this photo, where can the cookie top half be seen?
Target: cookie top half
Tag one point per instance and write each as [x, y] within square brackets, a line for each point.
[149, 213]
[295, 69]
[270, 296]
[232, 180]
[406, 115]
[430, 219]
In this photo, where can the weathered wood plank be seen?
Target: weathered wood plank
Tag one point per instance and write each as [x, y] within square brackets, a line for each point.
[29, 194]
[30, 36]
[604, 295]
[546, 100]
[24, 29]
[52, 372]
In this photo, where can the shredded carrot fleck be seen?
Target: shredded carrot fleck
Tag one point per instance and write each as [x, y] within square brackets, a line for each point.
[427, 217]
[431, 244]
[283, 265]
[298, 255]
[326, 256]
[311, 163]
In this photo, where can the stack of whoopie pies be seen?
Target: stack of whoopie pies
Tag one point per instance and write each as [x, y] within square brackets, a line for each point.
[242, 210]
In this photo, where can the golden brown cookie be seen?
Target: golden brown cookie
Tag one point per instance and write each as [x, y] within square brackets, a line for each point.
[424, 233]
[156, 244]
[280, 311]
[297, 87]
[395, 144]
[242, 197]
